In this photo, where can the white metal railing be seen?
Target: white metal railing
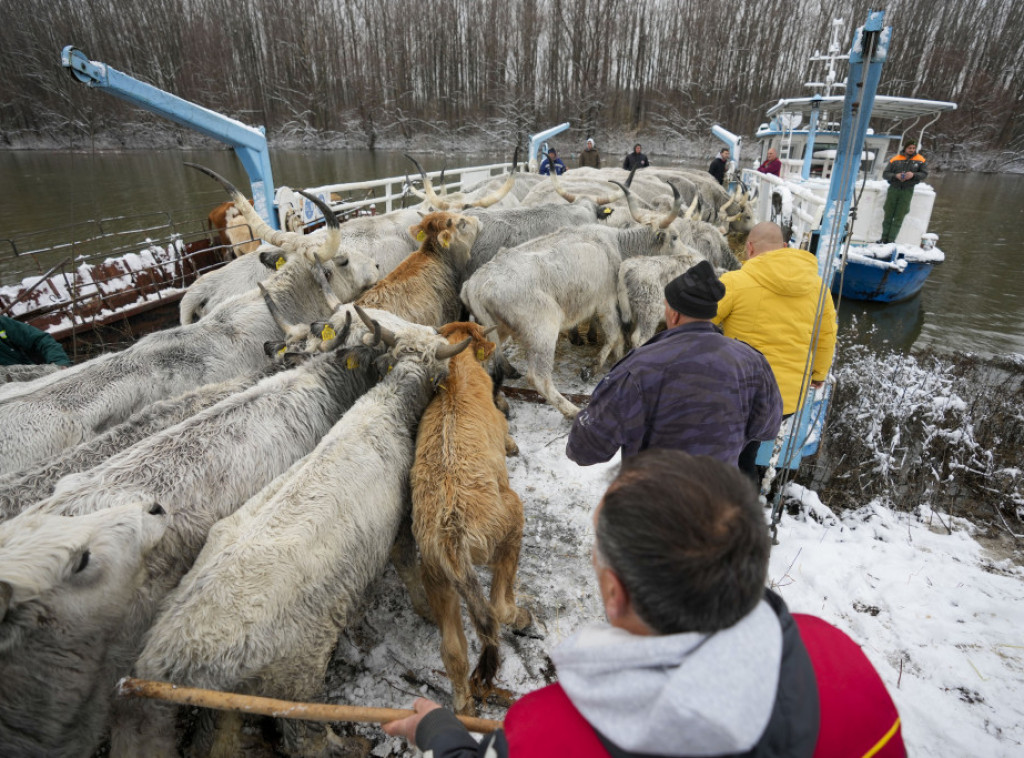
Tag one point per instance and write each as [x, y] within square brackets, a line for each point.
[799, 206]
[293, 209]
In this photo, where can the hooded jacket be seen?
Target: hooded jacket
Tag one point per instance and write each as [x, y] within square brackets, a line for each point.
[770, 303]
[24, 344]
[748, 690]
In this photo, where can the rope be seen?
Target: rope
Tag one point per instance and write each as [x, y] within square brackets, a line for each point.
[850, 165]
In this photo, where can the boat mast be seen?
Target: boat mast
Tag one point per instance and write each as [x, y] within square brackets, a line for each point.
[869, 51]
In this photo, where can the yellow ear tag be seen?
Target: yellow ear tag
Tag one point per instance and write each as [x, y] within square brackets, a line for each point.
[351, 363]
[421, 236]
[446, 242]
[480, 354]
[328, 333]
[280, 262]
[283, 350]
[389, 368]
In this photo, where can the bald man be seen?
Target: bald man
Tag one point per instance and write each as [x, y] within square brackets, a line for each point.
[771, 303]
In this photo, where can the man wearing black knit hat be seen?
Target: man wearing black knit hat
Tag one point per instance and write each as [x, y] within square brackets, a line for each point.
[688, 388]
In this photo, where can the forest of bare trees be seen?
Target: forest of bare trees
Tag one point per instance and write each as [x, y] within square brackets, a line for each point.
[373, 73]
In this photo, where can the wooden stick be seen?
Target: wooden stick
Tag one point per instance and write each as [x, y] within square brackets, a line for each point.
[282, 709]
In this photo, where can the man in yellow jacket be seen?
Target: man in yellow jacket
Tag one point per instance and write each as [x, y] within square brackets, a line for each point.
[771, 304]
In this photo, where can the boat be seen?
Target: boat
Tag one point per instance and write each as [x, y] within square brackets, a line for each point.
[805, 134]
[829, 198]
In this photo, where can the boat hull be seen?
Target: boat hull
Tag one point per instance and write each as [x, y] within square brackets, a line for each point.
[882, 285]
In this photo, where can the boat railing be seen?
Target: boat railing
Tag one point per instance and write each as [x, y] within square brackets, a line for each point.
[786, 203]
[117, 268]
[295, 211]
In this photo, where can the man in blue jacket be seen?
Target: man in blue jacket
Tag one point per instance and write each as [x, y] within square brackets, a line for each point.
[551, 160]
[688, 388]
[21, 343]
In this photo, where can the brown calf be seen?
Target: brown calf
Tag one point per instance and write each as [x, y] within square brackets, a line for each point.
[424, 288]
[233, 230]
[464, 514]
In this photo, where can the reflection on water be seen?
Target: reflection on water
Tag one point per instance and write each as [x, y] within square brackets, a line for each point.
[972, 302]
[882, 326]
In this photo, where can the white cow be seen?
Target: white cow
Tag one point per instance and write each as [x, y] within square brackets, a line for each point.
[64, 586]
[262, 608]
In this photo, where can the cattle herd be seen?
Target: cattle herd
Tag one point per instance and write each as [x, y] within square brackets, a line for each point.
[209, 506]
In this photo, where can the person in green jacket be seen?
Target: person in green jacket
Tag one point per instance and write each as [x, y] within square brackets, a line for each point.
[904, 172]
[21, 343]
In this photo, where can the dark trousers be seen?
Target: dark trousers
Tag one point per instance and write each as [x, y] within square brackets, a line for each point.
[897, 204]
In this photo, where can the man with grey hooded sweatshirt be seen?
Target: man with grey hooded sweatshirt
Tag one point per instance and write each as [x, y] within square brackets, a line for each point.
[697, 657]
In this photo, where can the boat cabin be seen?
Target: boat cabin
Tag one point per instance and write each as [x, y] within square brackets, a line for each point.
[805, 134]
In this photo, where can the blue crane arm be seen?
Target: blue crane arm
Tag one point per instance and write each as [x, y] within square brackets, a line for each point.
[249, 143]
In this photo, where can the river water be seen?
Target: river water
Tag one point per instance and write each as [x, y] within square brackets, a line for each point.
[974, 302]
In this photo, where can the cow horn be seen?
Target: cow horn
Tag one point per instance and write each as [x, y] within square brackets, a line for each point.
[428, 187]
[727, 203]
[260, 228]
[447, 351]
[332, 240]
[677, 203]
[490, 329]
[504, 189]
[385, 334]
[409, 188]
[6, 593]
[629, 201]
[274, 312]
[693, 207]
[569, 197]
[629, 179]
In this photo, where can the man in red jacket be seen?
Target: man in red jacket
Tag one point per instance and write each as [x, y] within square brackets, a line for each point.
[772, 164]
[697, 658]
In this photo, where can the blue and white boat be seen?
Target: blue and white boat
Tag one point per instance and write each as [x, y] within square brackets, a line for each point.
[805, 134]
[830, 196]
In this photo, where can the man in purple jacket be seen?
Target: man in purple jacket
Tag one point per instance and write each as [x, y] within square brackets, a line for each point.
[688, 388]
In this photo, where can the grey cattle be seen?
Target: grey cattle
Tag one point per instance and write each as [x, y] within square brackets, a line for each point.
[508, 227]
[202, 470]
[19, 490]
[262, 608]
[64, 586]
[26, 372]
[641, 288]
[354, 270]
[537, 289]
[85, 400]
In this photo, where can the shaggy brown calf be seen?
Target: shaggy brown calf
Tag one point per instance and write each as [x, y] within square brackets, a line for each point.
[424, 288]
[464, 513]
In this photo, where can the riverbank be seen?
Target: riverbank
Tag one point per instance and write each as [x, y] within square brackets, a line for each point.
[687, 146]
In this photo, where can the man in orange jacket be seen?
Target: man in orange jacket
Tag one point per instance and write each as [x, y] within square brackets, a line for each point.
[904, 172]
[697, 657]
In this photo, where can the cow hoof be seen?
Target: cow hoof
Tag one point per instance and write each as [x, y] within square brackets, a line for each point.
[574, 337]
[586, 373]
[512, 372]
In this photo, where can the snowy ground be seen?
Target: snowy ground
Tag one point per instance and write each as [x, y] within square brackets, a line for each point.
[939, 615]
